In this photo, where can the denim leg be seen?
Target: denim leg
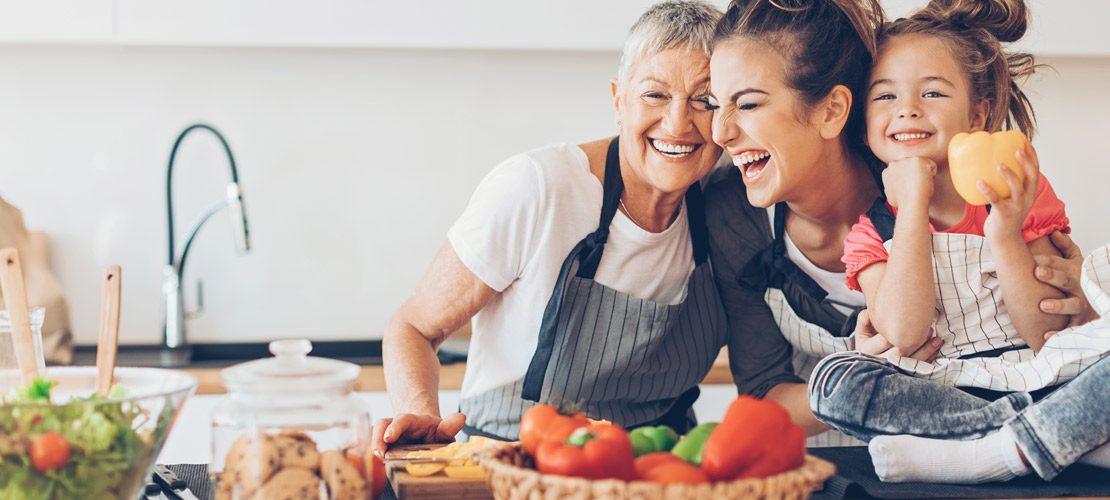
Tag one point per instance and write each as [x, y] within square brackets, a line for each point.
[865, 396]
[1070, 422]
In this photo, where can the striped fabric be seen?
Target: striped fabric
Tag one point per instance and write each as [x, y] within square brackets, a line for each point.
[810, 343]
[971, 318]
[618, 358]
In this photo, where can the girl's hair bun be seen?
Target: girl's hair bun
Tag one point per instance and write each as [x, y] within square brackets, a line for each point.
[1007, 20]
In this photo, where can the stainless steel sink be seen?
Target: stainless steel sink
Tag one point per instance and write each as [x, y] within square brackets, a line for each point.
[364, 352]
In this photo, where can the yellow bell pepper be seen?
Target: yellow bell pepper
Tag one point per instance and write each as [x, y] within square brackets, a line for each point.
[976, 156]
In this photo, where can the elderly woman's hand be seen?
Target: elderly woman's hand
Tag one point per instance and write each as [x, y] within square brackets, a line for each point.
[410, 428]
[1063, 273]
[869, 341]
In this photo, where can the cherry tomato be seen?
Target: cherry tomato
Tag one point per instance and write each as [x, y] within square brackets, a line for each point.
[49, 451]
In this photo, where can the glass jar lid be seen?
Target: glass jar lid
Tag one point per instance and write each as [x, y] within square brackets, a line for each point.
[290, 370]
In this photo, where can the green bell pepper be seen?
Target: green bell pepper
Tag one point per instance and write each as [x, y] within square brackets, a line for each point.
[690, 447]
[651, 439]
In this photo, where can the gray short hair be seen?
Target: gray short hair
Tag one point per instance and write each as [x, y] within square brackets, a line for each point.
[668, 25]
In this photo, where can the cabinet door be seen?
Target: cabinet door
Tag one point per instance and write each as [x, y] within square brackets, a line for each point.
[56, 21]
[466, 24]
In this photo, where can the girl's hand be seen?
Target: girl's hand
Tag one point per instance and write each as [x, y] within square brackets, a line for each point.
[909, 180]
[1008, 214]
[869, 341]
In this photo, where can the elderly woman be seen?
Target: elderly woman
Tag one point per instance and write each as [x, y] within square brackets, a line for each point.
[582, 267]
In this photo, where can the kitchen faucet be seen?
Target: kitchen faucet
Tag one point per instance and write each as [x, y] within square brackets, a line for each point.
[175, 349]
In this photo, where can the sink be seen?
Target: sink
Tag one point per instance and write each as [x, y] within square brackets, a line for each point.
[359, 352]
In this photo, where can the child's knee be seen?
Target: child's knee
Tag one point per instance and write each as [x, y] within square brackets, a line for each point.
[829, 385]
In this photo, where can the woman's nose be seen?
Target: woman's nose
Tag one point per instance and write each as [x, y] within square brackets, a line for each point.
[677, 119]
[724, 130]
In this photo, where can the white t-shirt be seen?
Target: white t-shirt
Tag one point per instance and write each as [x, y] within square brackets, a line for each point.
[844, 299]
[522, 221]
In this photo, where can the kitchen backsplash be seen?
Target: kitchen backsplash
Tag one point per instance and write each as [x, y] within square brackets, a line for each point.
[353, 164]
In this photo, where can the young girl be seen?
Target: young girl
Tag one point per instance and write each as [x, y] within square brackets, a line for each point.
[966, 271]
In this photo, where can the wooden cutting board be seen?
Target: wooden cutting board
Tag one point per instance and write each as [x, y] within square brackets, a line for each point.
[407, 486]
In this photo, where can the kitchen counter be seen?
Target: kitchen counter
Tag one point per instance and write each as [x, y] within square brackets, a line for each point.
[372, 378]
[190, 440]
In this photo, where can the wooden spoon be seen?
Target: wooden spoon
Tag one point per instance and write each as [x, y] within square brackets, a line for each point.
[107, 342]
[15, 297]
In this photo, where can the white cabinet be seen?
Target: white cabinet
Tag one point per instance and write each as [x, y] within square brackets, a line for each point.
[465, 24]
[56, 21]
[1058, 28]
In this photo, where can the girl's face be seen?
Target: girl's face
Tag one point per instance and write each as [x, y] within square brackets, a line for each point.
[918, 99]
[761, 122]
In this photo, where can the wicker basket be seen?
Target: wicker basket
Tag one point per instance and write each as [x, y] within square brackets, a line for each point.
[511, 474]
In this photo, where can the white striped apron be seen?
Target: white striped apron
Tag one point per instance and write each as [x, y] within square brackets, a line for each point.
[981, 347]
[771, 270]
[611, 355]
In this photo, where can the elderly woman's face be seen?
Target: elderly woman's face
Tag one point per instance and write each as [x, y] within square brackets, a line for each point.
[665, 119]
[761, 122]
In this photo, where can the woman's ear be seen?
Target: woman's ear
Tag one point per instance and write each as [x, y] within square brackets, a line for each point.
[832, 113]
[979, 114]
[614, 88]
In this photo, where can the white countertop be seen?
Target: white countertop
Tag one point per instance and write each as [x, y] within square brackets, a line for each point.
[190, 439]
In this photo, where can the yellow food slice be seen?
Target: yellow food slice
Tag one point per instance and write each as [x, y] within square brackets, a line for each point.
[465, 471]
[423, 469]
[481, 441]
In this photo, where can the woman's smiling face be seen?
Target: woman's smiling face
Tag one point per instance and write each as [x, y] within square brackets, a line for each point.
[665, 120]
[762, 123]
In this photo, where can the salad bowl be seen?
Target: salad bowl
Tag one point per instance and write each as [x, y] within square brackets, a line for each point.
[58, 439]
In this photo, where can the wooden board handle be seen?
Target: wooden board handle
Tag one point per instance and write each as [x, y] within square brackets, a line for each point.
[107, 342]
[15, 298]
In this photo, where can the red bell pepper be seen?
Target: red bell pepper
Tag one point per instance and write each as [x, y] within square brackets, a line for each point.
[597, 451]
[665, 468]
[755, 437]
[542, 422]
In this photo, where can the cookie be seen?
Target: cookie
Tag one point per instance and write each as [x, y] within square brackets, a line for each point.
[252, 459]
[291, 483]
[343, 480]
[297, 449]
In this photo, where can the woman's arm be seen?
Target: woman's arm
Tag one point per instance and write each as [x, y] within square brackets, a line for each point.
[447, 297]
[899, 292]
[1062, 272]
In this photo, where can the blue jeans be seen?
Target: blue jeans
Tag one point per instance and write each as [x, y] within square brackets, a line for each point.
[866, 396]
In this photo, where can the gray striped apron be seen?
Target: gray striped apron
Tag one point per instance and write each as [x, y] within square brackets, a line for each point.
[769, 272]
[608, 354]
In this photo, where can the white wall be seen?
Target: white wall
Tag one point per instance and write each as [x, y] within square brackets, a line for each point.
[354, 163]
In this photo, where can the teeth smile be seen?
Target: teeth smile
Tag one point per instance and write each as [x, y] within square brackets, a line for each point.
[673, 150]
[749, 158]
[907, 137]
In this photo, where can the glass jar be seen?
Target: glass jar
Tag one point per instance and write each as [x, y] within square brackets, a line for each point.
[292, 415]
[8, 358]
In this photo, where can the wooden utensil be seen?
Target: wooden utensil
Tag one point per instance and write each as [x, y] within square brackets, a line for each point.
[15, 297]
[107, 342]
